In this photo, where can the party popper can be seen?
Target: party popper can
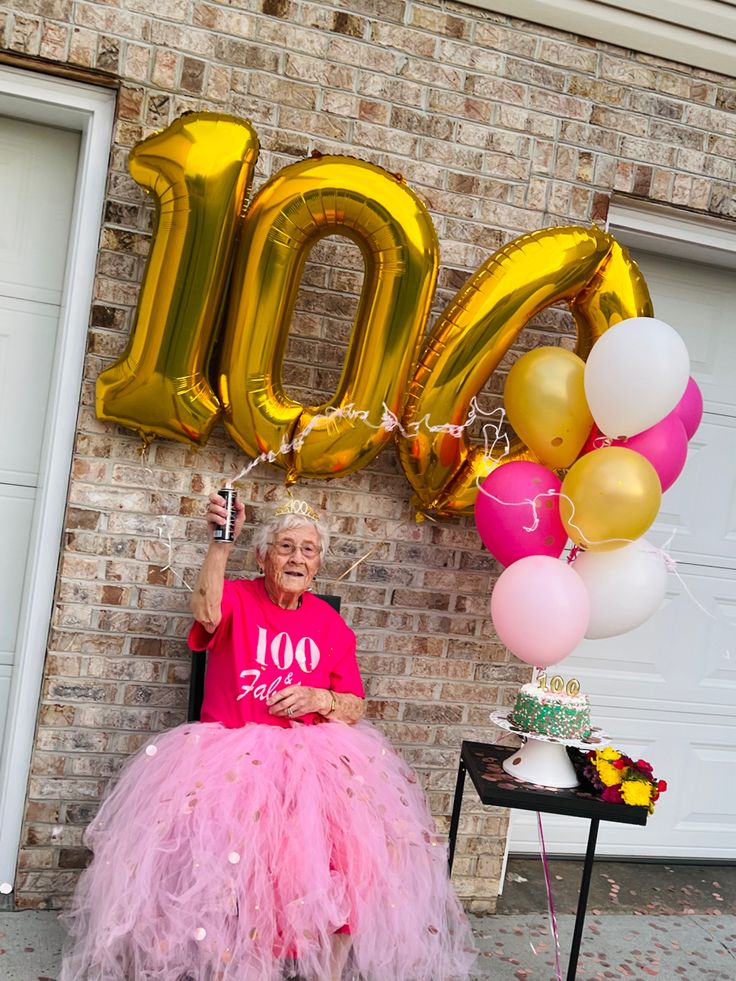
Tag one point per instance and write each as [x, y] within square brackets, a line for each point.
[226, 532]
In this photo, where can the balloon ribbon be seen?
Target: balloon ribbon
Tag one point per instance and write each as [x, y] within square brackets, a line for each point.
[550, 900]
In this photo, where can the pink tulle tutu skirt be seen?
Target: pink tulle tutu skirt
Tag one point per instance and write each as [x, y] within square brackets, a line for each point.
[240, 854]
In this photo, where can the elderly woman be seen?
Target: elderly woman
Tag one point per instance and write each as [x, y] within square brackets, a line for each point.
[281, 836]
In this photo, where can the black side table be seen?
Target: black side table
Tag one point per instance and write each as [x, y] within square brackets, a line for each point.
[494, 786]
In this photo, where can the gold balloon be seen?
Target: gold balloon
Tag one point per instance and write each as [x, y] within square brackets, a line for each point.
[545, 402]
[609, 498]
[198, 172]
[300, 205]
[584, 267]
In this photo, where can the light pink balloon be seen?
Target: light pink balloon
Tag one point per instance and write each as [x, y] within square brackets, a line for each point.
[664, 445]
[540, 609]
[690, 408]
[502, 518]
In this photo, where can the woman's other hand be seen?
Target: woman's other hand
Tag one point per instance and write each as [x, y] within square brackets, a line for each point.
[295, 701]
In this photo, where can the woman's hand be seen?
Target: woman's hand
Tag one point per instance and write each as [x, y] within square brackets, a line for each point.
[217, 516]
[297, 700]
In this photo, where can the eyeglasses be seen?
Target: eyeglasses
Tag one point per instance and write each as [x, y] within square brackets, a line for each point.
[286, 548]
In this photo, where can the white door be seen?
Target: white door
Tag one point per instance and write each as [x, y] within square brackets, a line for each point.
[54, 156]
[38, 172]
[667, 691]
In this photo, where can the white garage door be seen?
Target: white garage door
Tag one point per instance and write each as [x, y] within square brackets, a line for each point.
[38, 169]
[667, 691]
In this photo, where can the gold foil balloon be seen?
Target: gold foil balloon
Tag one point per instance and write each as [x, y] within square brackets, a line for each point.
[584, 267]
[544, 397]
[300, 205]
[609, 498]
[198, 172]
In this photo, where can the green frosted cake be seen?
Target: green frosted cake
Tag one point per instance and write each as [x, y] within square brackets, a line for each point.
[551, 713]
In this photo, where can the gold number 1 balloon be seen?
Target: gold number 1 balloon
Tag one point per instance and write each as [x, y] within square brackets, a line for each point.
[198, 172]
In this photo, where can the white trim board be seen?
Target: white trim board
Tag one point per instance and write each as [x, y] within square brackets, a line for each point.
[89, 110]
[700, 33]
[670, 231]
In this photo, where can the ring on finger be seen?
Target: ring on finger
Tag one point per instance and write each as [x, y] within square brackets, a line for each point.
[290, 711]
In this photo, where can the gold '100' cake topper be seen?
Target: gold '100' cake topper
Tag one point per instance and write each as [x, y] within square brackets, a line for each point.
[557, 684]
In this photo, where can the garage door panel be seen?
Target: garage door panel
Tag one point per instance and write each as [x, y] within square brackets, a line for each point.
[16, 515]
[27, 345]
[698, 301]
[38, 166]
[700, 507]
[684, 655]
[710, 765]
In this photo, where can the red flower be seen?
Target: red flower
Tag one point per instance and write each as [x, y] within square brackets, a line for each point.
[661, 786]
[645, 768]
[612, 795]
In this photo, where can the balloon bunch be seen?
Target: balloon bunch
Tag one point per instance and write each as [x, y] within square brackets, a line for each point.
[610, 436]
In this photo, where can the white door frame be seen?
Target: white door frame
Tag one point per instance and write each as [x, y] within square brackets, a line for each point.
[90, 111]
[669, 231]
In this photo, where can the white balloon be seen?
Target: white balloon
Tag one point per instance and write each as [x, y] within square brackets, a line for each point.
[636, 373]
[625, 587]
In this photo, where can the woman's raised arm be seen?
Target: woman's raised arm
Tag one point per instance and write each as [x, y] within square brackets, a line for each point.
[206, 601]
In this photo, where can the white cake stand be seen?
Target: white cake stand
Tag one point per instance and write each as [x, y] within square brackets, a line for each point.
[543, 760]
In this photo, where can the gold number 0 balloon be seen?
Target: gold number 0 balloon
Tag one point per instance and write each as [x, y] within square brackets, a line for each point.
[198, 172]
[303, 203]
[583, 266]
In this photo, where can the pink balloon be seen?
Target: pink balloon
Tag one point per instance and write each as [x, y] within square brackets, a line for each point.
[690, 408]
[595, 441]
[503, 519]
[664, 445]
[540, 609]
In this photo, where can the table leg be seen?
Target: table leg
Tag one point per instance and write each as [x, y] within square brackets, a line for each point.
[582, 900]
[455, 819]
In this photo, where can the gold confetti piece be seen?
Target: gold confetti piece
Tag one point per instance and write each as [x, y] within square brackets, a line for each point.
[253, 934]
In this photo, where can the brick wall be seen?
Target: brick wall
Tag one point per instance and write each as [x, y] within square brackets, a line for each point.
[502, 127]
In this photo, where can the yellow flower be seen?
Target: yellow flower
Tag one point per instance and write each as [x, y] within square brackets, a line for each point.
[638, 793]
[609, 753]
[608, 773]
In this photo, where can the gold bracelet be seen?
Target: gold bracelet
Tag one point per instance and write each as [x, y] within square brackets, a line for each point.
[333, 706]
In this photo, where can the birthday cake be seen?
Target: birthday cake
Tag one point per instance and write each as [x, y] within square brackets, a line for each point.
[560, 714]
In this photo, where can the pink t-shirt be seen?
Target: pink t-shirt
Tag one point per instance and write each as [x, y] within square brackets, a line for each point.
[259, 648]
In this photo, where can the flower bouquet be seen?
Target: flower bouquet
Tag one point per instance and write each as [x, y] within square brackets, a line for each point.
[618, 779]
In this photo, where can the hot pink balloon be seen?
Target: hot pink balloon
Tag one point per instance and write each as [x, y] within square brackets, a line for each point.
[690, 408]
[664, 445]
[540, 609]
[512, 529]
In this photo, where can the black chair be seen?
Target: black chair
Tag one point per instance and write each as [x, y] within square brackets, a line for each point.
[199, 666]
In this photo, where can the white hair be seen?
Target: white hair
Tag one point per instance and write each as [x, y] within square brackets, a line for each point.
[265, 532]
